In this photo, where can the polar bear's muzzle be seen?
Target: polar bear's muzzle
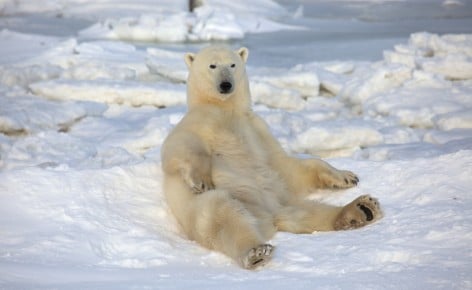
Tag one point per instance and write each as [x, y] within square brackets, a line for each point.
[225, 81]
[226, 87]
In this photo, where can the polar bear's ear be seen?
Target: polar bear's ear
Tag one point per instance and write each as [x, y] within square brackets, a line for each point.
[189, 58]
[243, 53]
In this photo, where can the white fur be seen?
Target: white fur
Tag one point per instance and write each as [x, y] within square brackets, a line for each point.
[228, 181]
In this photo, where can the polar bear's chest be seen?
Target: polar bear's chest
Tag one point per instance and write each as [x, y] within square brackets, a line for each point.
[241, 164]
[239, 143]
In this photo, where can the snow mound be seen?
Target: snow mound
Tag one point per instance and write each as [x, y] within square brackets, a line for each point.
[118, 224]
[23, 114]
[110, 220]
[110, 91]
[167, 64]
[340, 137]
[23, 76]
[105, 60]
[137, 131]
[378, 79]
[426, 56]
[444, 137]
[460, 119]
[215, 20]
[172, 28]
[70, 60]
[113, 138]
[283, 89]
[449, 55]
[428, 108]
[22, 46]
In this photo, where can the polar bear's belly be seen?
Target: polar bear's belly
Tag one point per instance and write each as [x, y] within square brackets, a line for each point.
[240, 165]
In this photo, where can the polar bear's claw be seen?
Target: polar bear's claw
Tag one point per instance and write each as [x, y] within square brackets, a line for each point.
[197, 181]
[338, 179]
[201, 187]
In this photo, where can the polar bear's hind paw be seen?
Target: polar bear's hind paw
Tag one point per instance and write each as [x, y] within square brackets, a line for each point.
[360, 212]
[258, 256]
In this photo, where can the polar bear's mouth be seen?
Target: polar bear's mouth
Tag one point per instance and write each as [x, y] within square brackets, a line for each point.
[226, 87]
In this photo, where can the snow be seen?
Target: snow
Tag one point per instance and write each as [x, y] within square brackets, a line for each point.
[216, 20]
[84, 109]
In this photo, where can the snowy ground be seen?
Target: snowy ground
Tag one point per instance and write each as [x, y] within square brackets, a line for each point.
[89, 90]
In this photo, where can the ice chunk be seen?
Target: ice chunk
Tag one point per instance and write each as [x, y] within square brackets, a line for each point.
[379, 79]
[454, 120]
[113, 92]
[29, 114]
[324, 138]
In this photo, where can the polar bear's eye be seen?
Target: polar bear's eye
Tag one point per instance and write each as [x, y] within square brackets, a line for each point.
[212, 66]
[233, 65]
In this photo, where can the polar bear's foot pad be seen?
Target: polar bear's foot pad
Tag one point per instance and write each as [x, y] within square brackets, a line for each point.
[360, 212]
[258, 256]
[368, 213]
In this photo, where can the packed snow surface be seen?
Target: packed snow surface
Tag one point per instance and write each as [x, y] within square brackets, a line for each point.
[83, 115]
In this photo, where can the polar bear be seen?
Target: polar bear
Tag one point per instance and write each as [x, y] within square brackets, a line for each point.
[228, 181]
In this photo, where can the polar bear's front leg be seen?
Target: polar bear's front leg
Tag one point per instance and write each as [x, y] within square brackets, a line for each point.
[316, 173]
[186, 154]
[334, 178]
[303, 176]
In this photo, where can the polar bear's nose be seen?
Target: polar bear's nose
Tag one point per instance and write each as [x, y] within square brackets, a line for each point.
[225, 87]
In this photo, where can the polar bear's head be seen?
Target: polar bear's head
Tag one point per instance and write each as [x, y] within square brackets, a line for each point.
[217, 75]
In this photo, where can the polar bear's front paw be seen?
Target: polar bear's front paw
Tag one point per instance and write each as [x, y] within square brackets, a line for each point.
[202, 186]
[360, 212]
[258, 256]
[197, 181]
[339, 179]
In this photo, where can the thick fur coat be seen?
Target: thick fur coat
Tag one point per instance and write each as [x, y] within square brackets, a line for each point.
[229, 182]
